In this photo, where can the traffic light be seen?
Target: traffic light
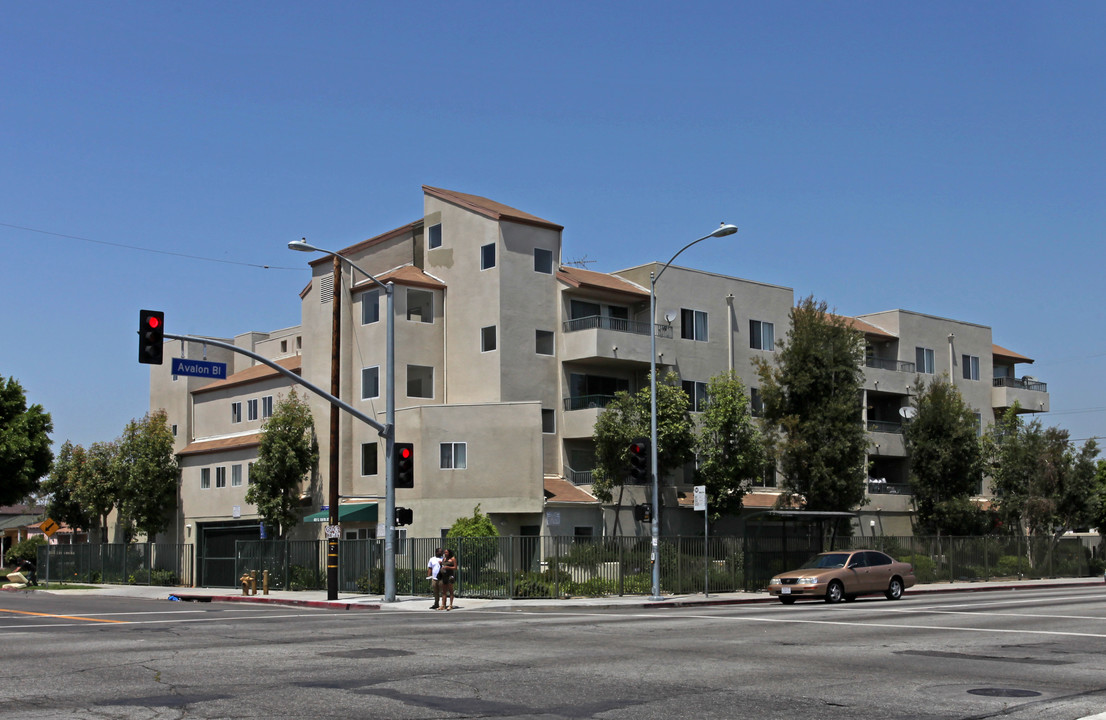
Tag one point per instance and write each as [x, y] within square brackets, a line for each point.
[405, 465]
[151, 336]
[639, 460]
[404, 516]
[643, 512]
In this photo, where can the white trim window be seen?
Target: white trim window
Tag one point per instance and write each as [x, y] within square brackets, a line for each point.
[205, 478]
[370, 382]
[971, 367]
[236, 475]
[693, 324]
[696, 395]
[251, 409]
[434, 236]
[220, 477]
[923, 359]
[370, 307]
[762, 335]
[454, 456]
[236, 412]
[266, 407]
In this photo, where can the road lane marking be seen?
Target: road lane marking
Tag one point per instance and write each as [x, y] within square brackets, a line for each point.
[60, 617]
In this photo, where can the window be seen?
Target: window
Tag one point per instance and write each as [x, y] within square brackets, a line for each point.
[978, 424]
[236, 412]
[487, 256]
[756, 402]
[251, 409]
[369, 460]
[487, 338]
[924, 359]
[696, 395]
[420, 381]
[543, 261]
[174, 429]
[543, 342]
[370, 382]
[205, 478]
[420, 305]
[578, 309]
[583, 533]
[236, 476]
[454, 456]
[249, 473]
[971, 367]
[693, 324]
[434, 236]
[762, 335]
[267, 406]
[283, 346]
[548, 421]
[767, 476]
[370, 307]
[220, 477]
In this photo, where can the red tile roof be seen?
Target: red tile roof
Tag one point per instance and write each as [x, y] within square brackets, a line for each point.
[253, 374]
[591, 280]
[489, 208]
[865, 327]
[407, 275]
[999, 351]
[559, 490]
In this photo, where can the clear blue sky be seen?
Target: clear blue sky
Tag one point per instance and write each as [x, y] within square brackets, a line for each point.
[942, 157]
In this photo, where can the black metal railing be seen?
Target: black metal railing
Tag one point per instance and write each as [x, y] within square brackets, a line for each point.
[886, 364]
[884, 426]
[583, 402]
[601, 322]
[1020, 384]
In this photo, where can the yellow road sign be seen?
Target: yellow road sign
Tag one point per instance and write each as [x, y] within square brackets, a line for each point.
[49, 527]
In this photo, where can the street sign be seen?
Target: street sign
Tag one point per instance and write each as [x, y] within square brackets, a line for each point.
[332, 532]
[700, 497]
[49, 527]
[200, 368]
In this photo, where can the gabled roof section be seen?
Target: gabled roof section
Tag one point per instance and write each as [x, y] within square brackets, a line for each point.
[559, 490]
[253, 374]
[365, 244]
[865, 327]
[591, 280]
[220, 444]
[1001, 352]
[489, 208]
[407, 275]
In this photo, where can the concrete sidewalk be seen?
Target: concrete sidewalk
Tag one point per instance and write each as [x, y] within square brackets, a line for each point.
[408, 603]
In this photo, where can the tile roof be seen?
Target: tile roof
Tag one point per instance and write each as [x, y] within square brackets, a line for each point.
[253, 374]
[999, 351]
[489, 208]
[591, 280]
[219, 444]
[865, 327]
[559, 490]
[403, 275]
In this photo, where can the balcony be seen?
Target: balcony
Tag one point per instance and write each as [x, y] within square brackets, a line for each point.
[880, 486]
[888, 375]
[1030, 394]
[889, 364]
[579, 477]
[598, 337]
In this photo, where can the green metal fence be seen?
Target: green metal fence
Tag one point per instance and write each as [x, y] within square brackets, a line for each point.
[168, 564]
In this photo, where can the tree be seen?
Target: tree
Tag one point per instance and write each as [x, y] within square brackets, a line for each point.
[946, 461]
[59, 486]
[812, 409]
[96, 483]
[287, 455]
[628, 417]
[728, 445]
[1045, 485]
[479, 525]
[25, 455]
[475, 537]
[150, 477]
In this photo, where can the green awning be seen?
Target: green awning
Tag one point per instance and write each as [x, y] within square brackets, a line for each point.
[347, 512]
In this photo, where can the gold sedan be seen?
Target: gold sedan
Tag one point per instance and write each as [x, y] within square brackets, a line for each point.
[843, 575]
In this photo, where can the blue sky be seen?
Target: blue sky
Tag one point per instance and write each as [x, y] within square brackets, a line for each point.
[946, 158]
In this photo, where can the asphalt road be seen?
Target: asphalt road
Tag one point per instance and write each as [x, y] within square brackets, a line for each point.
[1033, 654]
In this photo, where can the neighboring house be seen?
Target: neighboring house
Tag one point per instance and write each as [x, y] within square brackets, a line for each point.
[504, 360]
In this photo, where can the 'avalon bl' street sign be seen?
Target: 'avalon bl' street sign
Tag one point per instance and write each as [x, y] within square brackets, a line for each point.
[200, 368]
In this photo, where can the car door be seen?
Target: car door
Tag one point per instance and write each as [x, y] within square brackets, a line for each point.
[856, 574]
[879, 570]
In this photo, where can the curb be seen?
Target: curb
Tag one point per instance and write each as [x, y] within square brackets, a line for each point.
[331, 604]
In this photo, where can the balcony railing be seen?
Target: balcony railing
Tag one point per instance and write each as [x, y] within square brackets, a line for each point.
[579, 477]
[583, 402]
[884, 426]
[1020, 383]
[599, 322]
[895, 365]
[879, 486]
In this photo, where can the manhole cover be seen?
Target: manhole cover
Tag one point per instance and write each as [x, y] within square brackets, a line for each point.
[1004, 692]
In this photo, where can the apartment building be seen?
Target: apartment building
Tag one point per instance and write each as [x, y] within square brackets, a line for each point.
[505, 357]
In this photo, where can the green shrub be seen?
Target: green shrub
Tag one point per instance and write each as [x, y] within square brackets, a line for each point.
[25, 550]
[925, 569]
[304, 578]
[1010, 565]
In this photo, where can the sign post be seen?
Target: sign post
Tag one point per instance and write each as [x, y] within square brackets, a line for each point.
[700, 497]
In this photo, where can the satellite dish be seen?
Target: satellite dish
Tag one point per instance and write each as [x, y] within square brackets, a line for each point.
[669, 317]
[907, 412]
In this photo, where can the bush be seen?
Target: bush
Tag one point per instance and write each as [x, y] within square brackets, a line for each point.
[925, 569]
[304, 578]
[1011, 565]
[25, 550]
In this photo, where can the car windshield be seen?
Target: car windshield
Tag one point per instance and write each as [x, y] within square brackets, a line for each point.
[829, 560]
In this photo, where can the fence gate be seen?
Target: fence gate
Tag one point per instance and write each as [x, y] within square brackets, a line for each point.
[217, 553]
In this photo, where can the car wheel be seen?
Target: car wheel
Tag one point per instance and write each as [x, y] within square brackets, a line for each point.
[835, 592]
[787, 600]
[894, 590]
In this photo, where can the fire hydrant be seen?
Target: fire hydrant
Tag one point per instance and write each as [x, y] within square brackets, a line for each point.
[249, 582]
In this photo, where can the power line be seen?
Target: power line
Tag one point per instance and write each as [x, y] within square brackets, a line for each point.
[148, 250]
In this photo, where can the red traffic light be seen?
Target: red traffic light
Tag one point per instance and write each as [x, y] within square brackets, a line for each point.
[153, 321]
[405, 452]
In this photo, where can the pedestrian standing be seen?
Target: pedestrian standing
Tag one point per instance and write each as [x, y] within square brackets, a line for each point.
[448, 574]
[433, 568]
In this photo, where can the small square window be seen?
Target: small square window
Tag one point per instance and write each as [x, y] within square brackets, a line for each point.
[696, 395]
[924, 360]
[251, 409]
[420, 305]
[693, 324]
[434, 236]
[762, 335]
[267, 406]
[971, 367]
[543, 342]
[220, 477]
[543, 261]
[454, 456]
[487, 256]
[487, 338]
[236, 412]
[369, 458]
[205, 478]
[236, 476]
[370, 307]
[548, 421]
[370, 382]
[420, 381]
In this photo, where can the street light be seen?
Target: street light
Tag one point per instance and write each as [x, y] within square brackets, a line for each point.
[722, 231]
[389, 434]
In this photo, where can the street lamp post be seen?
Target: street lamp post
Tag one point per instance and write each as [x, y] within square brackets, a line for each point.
[389, 433]
[722, 231]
